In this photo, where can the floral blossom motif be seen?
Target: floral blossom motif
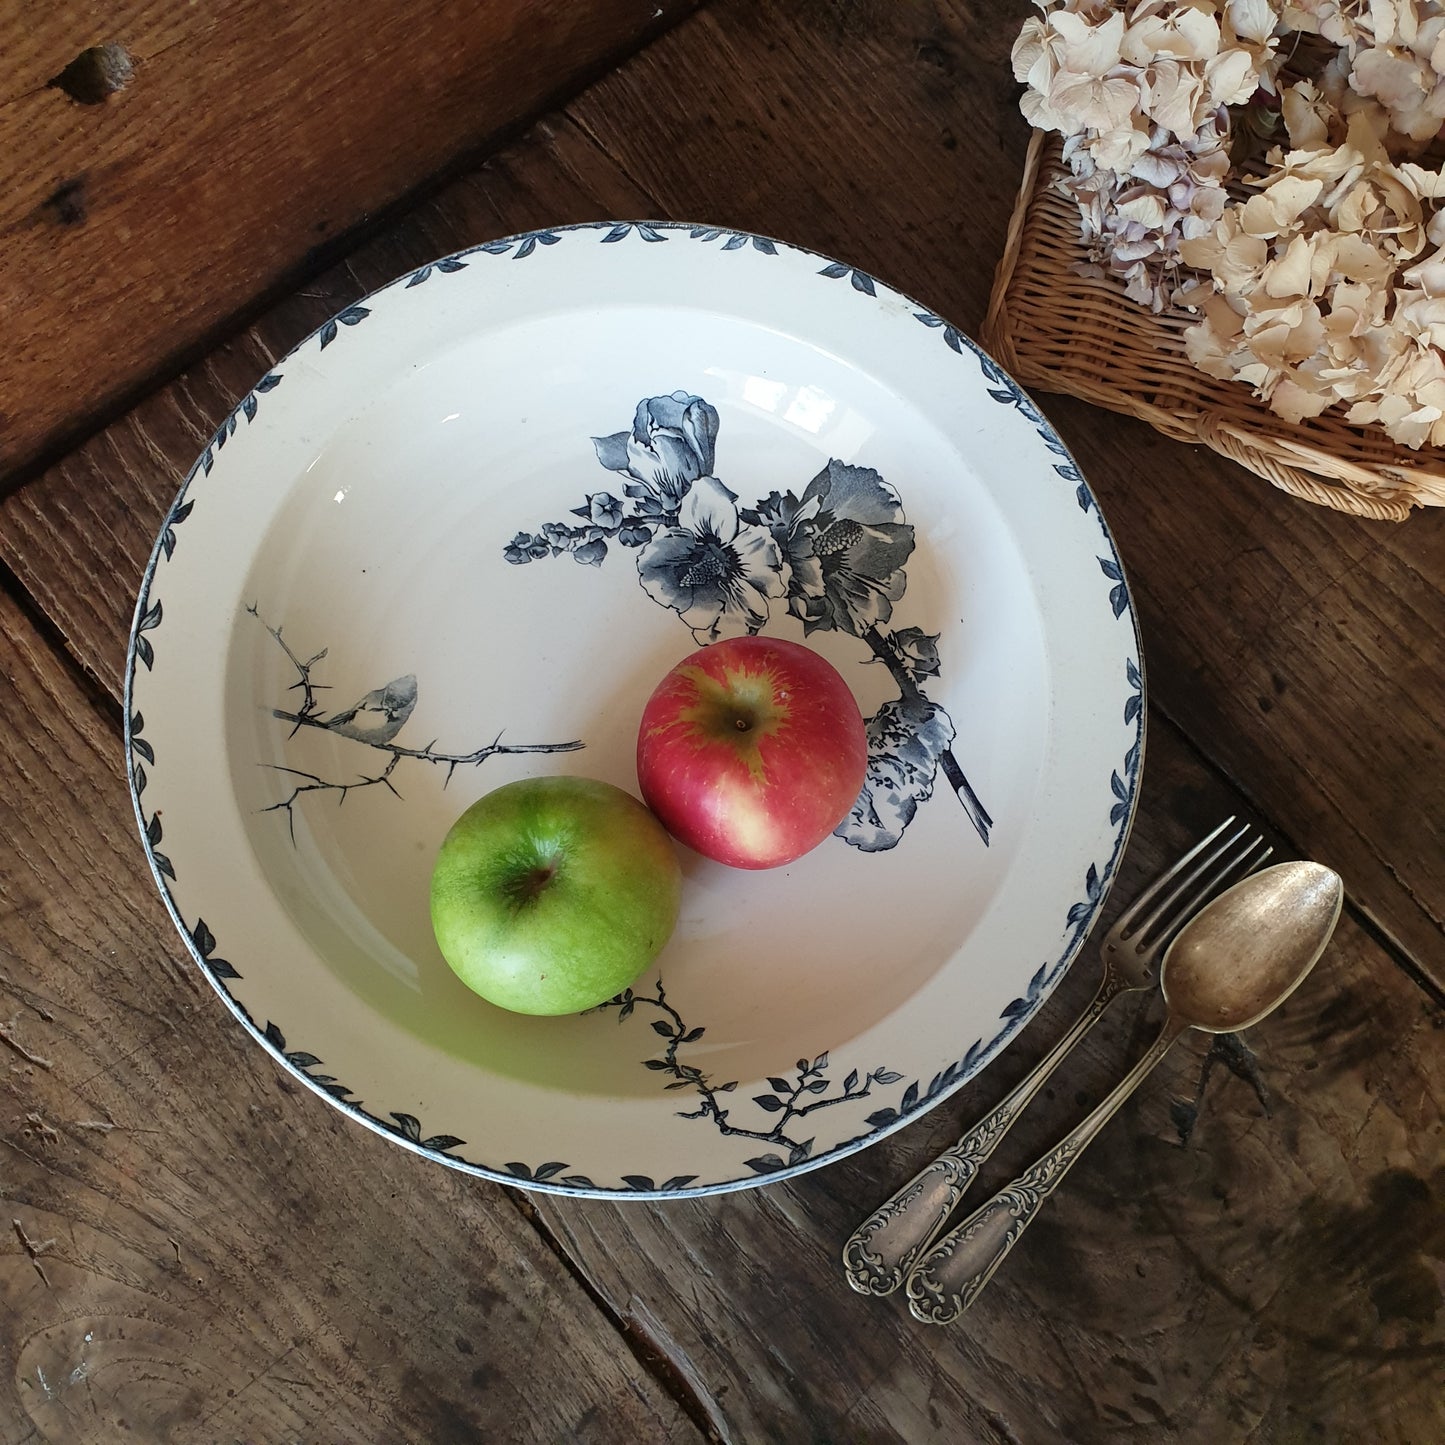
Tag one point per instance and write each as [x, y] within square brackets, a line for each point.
[604, 509]
[792, 525]
[837, 554]
[906, 738]
[713, 569]
[669, 447]
[855, 523]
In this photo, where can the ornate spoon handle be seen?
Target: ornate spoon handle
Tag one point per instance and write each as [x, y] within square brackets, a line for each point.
[885, 1246]
[953, 1273]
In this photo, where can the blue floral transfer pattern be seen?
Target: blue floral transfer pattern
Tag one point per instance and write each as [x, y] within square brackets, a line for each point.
[833, 555]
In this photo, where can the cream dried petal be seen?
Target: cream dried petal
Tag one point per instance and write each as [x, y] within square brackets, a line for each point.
[1090, 102]
[1029, 48]
[1291, 273]
[1142, 205]
[1428, 275]
[1258, 375]
[1157, 169]
[1355, 210]
[1305, 116]
[1357, 260]
[1276, 208]
[1252, 20]
[1294, 402]
[1423, 183]
[1231, 78]
[1118, 149]
[1092, 49]
[1415, 428]
[1127, 251]
[1185, 34]
[1170, 95]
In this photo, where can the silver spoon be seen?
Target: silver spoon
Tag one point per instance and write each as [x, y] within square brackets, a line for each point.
[1236, 960]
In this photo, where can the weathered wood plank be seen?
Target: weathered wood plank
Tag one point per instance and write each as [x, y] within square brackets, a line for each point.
[78, 537]
[1302, 649]
[1278, 1279]
[201, 1250]
[247, 135]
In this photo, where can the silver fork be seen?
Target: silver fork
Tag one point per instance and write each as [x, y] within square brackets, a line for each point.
[882, 1250]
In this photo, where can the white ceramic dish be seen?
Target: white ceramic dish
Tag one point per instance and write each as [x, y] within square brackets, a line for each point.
[394, 518]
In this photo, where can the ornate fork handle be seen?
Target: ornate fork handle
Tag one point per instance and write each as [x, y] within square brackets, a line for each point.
[885, 1246]
[951, 1276]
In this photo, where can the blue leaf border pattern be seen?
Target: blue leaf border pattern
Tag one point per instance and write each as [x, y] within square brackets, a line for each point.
[555, 1176]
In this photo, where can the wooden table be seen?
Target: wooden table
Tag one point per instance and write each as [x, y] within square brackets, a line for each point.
[202, 1251]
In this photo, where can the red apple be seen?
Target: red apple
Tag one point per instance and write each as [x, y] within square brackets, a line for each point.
[752, 751]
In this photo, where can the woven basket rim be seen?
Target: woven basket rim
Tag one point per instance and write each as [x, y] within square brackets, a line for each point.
[1059, 331]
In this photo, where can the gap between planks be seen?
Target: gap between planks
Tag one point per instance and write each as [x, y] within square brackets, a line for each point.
[647, 1351]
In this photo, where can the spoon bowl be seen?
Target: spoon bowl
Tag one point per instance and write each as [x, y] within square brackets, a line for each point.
[1242, 955]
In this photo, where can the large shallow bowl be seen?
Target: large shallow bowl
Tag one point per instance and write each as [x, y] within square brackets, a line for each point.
[456, 537]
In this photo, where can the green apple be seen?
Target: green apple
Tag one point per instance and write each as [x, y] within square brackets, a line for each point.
[552, 895]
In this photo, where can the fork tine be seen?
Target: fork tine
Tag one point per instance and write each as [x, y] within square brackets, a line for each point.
[1174, 909]
[1124, 925]
[1245, 863]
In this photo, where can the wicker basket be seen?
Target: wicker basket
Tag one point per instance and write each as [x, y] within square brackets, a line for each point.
[1058, 331]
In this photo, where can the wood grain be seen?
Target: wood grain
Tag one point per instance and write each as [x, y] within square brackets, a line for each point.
[250, 134]
[193, 1248]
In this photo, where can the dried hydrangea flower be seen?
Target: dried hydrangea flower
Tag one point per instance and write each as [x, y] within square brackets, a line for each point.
[1322, 294]
[1141, 92]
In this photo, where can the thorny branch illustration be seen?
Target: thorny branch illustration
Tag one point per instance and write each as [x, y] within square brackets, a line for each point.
[790, 1099]
[373, 720]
